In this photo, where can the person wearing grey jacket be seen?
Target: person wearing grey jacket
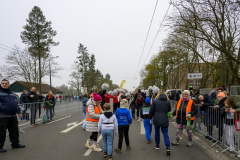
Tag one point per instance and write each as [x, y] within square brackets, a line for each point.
[106, 125]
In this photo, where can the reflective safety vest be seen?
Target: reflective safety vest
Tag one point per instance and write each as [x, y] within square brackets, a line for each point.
[97, 111]
[188, 109]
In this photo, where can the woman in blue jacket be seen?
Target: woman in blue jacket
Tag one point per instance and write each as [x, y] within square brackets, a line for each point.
[51, 99]
[84, 103]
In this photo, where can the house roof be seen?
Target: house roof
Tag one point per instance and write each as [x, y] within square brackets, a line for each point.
[45, 87]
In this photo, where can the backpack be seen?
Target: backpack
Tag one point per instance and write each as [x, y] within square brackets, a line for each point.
[45, 119]
[139, 97]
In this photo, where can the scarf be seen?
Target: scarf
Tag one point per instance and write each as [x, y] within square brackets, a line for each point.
[50, 96]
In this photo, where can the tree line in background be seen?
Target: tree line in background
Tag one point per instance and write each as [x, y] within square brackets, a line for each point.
[85, 74]
[32, 63]
[203, 36]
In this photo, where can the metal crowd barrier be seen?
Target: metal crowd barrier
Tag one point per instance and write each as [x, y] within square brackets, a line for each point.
[32, 113]
[219, 127]
[173, 105]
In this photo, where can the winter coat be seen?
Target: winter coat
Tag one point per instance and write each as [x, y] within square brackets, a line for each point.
[90, 125]
[84, 103]
[107, 98]
[123, 116]
[132, 106]
[103, 98]
[8, 103]
[23, 98]
[107, 121]
[34, 99]
[181, 118]
[115, 99]
[175, 96]
[146, 116]
[52, 100]
[159, 111]
[139, 103]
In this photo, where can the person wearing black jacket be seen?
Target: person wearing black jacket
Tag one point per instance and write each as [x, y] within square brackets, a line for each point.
[33, 98]
[159, 113]
[175, 95]
[206, 105]
[219, 119]
[103, 98]
[139, 99]
[23, 100]
[8, 119]
[184, 107]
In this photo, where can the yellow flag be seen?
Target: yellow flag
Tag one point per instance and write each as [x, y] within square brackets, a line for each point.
[123, 82]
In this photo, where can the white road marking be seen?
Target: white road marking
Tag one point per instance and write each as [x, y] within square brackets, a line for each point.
[70, 128]
[58, 120]
[196, 137]
[28, 123]
[90, 150]
[72, 124]
[142, 128]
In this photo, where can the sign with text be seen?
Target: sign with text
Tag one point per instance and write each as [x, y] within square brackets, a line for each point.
[194, 75]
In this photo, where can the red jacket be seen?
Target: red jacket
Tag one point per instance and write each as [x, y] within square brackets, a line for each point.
[115, 99]
[107, 98]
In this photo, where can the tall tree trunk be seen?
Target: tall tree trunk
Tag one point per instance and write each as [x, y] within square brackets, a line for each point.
[40, 74]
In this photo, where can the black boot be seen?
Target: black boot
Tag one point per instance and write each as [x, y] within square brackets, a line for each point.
[18, 146]
[3, 150]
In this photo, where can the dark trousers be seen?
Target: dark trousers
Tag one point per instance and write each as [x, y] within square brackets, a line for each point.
[220, 131]
[10, 123]
[33, 113]
[39, 110]
[123, 130]
[138, 106]
[94, 136]
[210, 129]
[118, 105]
[115, 107]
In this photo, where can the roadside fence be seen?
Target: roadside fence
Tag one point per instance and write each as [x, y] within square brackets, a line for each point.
[37, 113]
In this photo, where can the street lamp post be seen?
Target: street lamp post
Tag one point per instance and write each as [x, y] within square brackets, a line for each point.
[50, 72]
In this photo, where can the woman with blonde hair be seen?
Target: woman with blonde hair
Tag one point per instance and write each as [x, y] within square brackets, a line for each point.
[161, 92]
[51, 99]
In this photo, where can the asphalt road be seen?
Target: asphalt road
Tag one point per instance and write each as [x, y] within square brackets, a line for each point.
[47, 141]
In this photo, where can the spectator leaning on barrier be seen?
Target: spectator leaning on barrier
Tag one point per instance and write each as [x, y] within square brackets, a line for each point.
[206, 102]
[219, 119]
[33, 98]
[229, 111]
[8, 119]
[23, 100]
[159, 114]
[51, 99]
[84, 103]
[184, 109]
[213, 95]
[39, 107]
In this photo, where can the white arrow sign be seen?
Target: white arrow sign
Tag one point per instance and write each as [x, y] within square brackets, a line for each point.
[72, 124]
[194, 75]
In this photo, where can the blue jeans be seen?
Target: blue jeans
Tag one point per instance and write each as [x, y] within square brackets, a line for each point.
[165, 135]
[107, 135]
[148, 128]
[51, 111]
[84, 124]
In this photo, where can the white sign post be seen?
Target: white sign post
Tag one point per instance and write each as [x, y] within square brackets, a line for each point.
[194, 75]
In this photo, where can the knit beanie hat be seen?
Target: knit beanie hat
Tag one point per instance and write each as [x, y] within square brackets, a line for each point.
[221, 94]
[124, 102]
[96, 97]
[147, 100]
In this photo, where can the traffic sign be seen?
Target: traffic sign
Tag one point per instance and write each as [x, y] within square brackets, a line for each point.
[194, 75]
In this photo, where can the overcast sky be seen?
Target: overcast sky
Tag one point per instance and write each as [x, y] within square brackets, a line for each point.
[113, 30]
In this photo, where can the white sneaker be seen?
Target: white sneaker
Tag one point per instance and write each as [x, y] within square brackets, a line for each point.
[96, 148]
[89, 144]
[139, 119]
[231, 149]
